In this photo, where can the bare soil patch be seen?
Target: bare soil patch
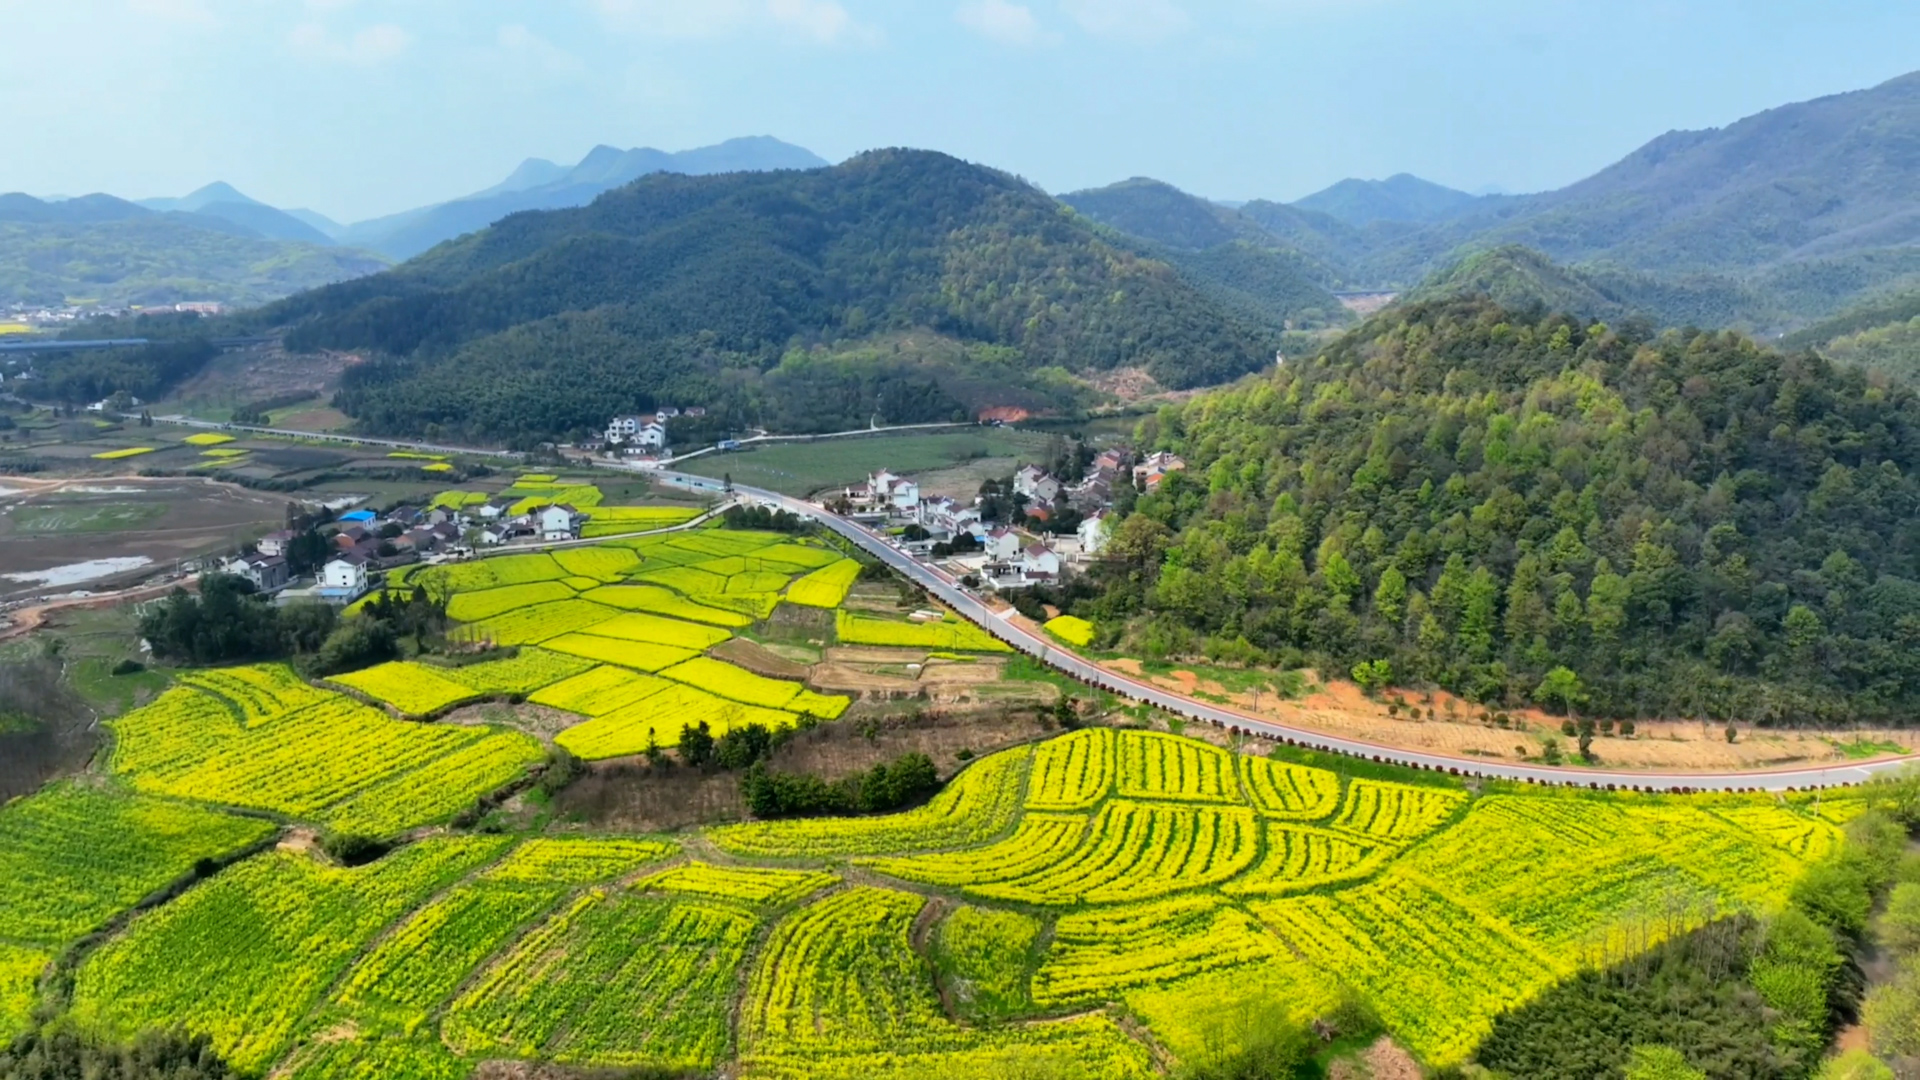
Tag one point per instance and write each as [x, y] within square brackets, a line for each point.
[758, 659]
[865, 654]
[834, 678]
[536, 720]
[1439, 722]
[949, 672]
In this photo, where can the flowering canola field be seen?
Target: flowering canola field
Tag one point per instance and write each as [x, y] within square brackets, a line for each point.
[1046, 909]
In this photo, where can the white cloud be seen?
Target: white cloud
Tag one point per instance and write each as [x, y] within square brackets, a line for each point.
[824, 21]
[373, 45]
[190, 12]
[674, 18]
[1001, 21]
[1133, 20]
[518, 41]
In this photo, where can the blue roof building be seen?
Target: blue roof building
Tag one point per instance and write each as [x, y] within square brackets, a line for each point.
[360, 517]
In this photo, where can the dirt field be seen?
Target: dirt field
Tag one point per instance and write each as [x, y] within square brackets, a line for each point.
[70, 531]
[1339, 708]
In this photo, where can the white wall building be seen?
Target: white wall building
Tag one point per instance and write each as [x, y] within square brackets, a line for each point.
[1094, 529]
[559, 522]
[345, 572]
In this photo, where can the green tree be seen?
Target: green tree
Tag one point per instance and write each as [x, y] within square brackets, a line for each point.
[1892, 1015]
[1390, 596]
[1854, 1065]
[1660, 1063]
[1373, 675]
[1562, 687]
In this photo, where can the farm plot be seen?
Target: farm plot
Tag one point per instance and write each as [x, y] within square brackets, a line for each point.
[380, 1059]
[826, 587]
[1169, 767]
[243, 958]
[734, 683]
[446, 581]
[985, 959]
[523, 673]
[752, 885]
[640, 626]
[1299, 858]
[1395, 813]
[619, 979]
[638, 655]
[663, 601]
[657, 720]
[1073, 772]
[601, 691]
[583, 860]
[1138, 851]
[1282, 790]
[414, 689]
[72, 857]
[313, 762]
[1436, 972]
[947, 635]
[1097, 952]
[604, 564]
[486, 603]
[19, 980]
[1628, 864]
[533, 625]
[1072, 630]
[256, 692]
[839, 986]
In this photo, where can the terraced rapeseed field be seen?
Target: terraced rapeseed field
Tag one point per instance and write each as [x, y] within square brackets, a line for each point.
[996, 931]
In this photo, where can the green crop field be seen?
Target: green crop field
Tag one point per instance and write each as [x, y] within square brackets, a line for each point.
[801, 468]
[85, 517]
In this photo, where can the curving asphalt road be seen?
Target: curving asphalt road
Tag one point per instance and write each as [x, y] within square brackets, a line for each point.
[949, 591]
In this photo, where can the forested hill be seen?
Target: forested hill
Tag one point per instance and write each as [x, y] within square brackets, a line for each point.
[756, 292]
[1691, 524]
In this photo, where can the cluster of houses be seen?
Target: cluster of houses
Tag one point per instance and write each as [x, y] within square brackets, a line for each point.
[637, 434]
[366, 541]
[1011, 560]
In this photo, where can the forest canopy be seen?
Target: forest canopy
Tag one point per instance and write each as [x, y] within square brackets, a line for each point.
[1686, 523]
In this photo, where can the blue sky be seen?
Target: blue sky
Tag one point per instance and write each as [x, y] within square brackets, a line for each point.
[363, 107]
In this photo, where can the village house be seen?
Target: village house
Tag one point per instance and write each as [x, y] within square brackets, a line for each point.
[269, 573]
[1155, 467]
[1094, 532]
[275, 543]
[559, 522]
[344, 577]
[1039, 562]
[1036, 484]
[1002, 545]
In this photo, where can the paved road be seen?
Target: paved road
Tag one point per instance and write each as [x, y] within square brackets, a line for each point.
[949, 591]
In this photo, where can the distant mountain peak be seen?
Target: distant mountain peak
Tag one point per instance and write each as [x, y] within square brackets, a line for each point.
[1400, 197]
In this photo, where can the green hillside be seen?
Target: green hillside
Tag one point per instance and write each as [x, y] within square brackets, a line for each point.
[1518, 277]
[1691, 523]
[744, 292]
[162, 259]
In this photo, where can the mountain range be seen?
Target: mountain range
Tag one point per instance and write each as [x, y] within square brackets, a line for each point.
[219, 244]
[1785, 217]
[901, 284]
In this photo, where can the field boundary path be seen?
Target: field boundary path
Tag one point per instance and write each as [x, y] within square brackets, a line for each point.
[948, 590]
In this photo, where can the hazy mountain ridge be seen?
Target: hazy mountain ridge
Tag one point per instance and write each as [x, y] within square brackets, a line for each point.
[538, 184]
[1780, 219]
[1401, 197]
